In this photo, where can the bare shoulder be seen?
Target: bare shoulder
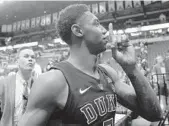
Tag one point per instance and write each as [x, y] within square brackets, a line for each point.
[49, 85]
[52, 78]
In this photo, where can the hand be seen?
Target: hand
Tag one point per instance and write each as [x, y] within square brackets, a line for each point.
[122, 51]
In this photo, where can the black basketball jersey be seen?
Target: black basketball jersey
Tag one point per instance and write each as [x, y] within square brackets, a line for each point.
[90, 101]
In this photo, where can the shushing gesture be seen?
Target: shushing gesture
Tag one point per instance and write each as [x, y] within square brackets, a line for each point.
[122, 51]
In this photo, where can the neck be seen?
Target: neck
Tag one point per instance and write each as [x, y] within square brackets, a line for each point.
[83, 60]
[26, 74]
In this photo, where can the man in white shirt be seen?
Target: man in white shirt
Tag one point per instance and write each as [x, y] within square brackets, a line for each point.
[15, 88]
[158, 73]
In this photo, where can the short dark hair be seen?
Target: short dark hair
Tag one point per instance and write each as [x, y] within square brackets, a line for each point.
[67, 17]
[22, 48]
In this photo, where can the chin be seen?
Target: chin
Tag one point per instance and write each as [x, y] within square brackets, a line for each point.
[29, 69]
[101, 50]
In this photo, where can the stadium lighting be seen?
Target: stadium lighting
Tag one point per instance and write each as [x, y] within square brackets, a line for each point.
[57, 40]
[63, 43]
[154, 27]
[9, 47]
[2, 48]
[120, 32]
[1, 1]
[136, 34]
[41, 46]
[25, 45]
[49, 44]
[19, 46]
[159, 31]
[130, 30]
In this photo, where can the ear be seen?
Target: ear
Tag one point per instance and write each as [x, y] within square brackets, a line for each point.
[76, 30]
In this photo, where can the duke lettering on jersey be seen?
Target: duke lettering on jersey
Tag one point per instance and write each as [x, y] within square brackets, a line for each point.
[90, 111]
[101, 105]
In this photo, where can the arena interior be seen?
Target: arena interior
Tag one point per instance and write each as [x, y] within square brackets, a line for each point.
[32, 24]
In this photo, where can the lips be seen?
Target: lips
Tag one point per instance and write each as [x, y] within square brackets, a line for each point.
[30, 64]
[106, 37]
[105, 40]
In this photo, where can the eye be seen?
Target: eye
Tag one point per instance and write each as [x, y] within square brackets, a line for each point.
[97, 23]
[33, 57]
[26, 56]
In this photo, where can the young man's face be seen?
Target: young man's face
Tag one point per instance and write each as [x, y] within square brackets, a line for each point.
[26, 59]
[93, 33]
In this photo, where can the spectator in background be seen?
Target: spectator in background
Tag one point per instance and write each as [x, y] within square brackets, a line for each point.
[159, 68]
[139, 64]
[142, 59]
[166, 61]
[37, 70]
[158, 73]
[15, 88]
[145, 67]
[64, 56]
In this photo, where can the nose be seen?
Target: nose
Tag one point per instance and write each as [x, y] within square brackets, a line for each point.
[104, 31]
[30, 58]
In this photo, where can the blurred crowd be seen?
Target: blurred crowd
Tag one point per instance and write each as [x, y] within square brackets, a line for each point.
[157, 74]
[142, 63]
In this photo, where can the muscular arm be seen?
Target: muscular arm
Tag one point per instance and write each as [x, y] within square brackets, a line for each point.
[141, 98]
[48, 92]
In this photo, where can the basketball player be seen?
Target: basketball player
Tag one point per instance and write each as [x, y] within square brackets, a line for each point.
[79, 91]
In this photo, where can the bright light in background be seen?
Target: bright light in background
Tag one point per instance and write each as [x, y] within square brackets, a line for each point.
[26, 45]
[130, 30]
[136, 34]
[57, 40]
[1, 1]
[120, 32]
[154, 27]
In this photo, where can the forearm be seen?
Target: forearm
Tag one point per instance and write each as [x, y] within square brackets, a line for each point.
[147, 101]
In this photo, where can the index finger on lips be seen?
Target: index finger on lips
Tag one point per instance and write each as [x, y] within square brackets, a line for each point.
[111, 35]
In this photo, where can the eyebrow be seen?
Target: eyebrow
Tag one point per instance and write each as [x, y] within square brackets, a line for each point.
[29, 54]
[96, 19]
